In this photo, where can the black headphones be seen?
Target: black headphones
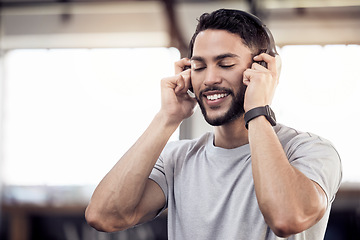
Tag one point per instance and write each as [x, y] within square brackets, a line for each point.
[271, 47]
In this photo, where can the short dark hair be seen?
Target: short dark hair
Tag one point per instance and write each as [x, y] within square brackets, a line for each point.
[252, 31]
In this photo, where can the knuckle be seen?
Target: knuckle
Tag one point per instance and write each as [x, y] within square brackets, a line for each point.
[180, 62]
[164, 81]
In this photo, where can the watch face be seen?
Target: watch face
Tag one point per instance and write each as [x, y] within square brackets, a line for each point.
[270, 115]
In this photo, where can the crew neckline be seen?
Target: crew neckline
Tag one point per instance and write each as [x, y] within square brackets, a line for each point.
[219, 151]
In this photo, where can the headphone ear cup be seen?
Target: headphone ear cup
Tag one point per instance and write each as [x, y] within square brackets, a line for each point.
[263, 63]
[271, 49]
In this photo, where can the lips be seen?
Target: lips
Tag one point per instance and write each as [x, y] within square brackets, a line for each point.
[214, 97]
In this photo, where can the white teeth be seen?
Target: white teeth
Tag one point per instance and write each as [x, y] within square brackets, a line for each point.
[216, 96]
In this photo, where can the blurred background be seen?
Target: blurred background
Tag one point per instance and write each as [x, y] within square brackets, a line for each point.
[80, 81]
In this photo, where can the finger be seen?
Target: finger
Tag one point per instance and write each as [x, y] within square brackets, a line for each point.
[270, 61]
[258, 66]
[247, 75]
[273, 64]
[181, 65]
[176, 83]
[180, 84]
[183, 82]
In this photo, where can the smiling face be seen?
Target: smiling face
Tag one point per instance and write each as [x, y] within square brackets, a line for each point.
[217, 66]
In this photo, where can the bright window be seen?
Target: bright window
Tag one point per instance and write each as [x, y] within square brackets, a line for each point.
[319, 91]
[70, 114]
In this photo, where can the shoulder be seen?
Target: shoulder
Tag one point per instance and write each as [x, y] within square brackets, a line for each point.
[185, 146]
[308, 148]
[292, 139]
[314, 156]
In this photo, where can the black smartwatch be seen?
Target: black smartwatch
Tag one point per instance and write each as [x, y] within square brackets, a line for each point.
[260, 111]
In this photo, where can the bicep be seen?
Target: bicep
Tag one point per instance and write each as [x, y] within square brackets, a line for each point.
[152, 201]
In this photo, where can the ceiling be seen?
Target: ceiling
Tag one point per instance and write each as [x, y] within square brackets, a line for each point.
[175, 18]
[267, 3]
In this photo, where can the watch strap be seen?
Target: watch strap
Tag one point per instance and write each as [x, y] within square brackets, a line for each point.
[260, 111]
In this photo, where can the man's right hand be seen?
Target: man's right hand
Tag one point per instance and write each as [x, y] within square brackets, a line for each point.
[176, 104]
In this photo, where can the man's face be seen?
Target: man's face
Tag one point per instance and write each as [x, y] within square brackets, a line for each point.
[217, 66]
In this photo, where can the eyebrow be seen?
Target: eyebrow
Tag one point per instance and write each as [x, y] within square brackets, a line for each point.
[216, 58]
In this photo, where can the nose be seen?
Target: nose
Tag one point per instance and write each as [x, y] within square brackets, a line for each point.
[212, 77]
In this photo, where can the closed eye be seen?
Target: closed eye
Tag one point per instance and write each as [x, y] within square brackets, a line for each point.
[199, 69]
[227, 66]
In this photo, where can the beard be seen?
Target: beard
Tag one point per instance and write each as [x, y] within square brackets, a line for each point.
[235, 111]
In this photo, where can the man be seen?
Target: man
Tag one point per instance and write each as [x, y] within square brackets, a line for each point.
[251, 178]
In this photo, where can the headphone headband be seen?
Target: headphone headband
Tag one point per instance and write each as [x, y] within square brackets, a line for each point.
[271, 47]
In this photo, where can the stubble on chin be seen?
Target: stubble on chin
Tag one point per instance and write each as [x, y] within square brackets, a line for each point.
[235, 110]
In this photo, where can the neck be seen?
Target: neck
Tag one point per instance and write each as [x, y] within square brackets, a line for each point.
[231, 135]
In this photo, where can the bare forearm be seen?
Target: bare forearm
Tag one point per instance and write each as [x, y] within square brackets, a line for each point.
[122, 188]
[126, 196]
[285, 195]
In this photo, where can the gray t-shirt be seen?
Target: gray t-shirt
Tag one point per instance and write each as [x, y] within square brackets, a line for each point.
[210, 190]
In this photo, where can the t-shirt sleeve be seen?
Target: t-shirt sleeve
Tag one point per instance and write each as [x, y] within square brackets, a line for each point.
[318, 160]
[158, 175]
